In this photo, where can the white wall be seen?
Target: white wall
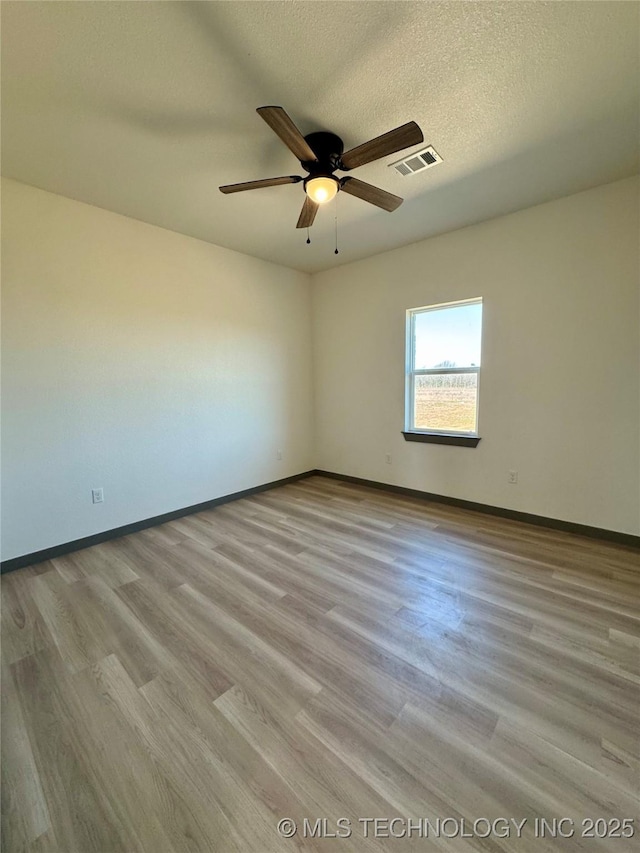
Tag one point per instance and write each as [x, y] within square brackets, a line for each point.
[169, 371]
[163, 369]
[559, 399]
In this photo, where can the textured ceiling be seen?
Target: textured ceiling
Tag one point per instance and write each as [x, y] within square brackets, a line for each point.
[144, 108]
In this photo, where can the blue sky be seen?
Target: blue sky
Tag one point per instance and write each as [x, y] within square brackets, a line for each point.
[449, 334]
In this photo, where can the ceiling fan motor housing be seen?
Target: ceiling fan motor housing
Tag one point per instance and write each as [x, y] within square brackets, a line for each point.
[328, 149]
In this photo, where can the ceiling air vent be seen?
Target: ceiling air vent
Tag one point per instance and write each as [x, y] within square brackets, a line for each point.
[417, 162]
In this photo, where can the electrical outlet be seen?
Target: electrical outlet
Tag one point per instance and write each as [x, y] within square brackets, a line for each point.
[97, 496]
[278, 454]
[513, 478]
[388, 458]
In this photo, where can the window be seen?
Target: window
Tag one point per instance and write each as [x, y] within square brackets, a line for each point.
[443, 372]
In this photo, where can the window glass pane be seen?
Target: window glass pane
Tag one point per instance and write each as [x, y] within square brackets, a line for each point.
[446, 401]
[448, 337]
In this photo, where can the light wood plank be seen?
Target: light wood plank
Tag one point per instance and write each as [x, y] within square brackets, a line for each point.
[319, 650]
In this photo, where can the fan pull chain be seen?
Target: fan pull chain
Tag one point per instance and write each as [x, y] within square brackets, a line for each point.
[336, 224]
[308, 237]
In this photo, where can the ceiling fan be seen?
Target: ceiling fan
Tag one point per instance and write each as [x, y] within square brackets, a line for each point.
[321, 154]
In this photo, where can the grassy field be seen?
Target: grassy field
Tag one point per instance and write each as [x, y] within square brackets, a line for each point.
[446, 403]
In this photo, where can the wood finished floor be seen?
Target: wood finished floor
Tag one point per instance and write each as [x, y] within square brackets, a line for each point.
[319, 650]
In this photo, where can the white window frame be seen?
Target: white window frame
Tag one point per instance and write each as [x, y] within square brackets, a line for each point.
[411, 372]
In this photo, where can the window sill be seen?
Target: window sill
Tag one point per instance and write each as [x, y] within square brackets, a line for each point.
[442, 438]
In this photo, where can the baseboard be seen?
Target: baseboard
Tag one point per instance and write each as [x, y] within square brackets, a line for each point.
[540, 520]
[116, 532]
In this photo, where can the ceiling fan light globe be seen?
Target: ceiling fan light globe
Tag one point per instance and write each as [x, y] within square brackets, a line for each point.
[321, 189]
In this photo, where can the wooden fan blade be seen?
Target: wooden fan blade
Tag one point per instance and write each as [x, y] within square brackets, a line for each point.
[308, 213]
[395, 140]
[258, 185]
[374, 195]
[280, 123]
